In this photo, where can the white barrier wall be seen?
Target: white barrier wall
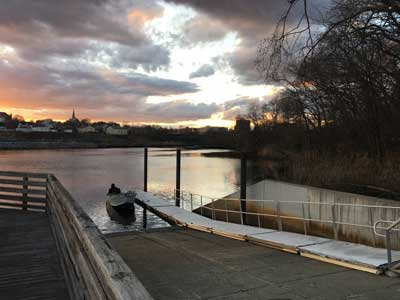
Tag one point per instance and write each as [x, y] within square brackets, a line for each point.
[355, 213]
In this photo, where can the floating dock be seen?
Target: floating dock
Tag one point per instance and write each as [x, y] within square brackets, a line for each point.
[351, 255]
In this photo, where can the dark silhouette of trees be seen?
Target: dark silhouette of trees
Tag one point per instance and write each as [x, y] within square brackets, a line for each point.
[341, 73]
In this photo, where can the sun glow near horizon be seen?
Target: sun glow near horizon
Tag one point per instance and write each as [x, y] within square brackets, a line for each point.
[151, 62]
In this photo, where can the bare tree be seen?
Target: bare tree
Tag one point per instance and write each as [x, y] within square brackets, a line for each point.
[343, 71]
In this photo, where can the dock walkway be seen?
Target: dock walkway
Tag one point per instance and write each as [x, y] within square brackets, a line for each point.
[30, 267]
[356, 256]
[180, 263]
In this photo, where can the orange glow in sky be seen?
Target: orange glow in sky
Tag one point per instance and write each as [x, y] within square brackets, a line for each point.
[142, 62]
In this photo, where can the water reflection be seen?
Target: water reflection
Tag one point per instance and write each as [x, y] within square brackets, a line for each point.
[87, 174]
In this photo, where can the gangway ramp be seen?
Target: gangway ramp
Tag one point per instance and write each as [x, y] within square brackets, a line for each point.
[351, 255]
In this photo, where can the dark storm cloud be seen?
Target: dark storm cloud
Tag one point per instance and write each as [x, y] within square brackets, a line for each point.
[103, 90]
[203, 71]
[70, 19]
[92, 81]
[44, 29]
[252, 20]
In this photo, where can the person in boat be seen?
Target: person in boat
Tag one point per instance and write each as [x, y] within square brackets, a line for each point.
[114, 190]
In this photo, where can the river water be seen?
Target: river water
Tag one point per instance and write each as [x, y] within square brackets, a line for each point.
[87, 174]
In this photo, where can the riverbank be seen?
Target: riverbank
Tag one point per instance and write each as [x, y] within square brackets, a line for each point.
[29, 141]
[49, 145]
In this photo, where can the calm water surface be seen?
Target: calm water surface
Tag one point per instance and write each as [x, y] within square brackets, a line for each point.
[88, 173]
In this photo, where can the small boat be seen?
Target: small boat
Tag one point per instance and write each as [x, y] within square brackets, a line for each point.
[121, 207]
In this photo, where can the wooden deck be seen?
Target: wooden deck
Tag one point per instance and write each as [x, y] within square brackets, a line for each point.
[30, 267]
[51, 249]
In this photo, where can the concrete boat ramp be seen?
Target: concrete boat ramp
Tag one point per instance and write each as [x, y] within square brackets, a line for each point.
[350, 255]
[181, 263]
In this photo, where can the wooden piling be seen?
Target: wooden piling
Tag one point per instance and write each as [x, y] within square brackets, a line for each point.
[243, 182]
[146, 150]
[178, 178]
[145, 168]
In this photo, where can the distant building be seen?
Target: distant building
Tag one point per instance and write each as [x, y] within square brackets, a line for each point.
[242, 126]
[87, 129]
[47, 123]
[73, 118]
[24, 128]
[41, 129]
[4, 117]
[73, 123]
[117, 131]
[100, 127]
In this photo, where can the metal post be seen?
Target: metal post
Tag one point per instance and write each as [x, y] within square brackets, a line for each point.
[191, 202]
[243, 182]
[304, 218]
[389, 247]
[145, 169]
[371, 223]
[226, 211]
[335, 231]
[178, 178]
[241, 214]
[146, 157]
[47, 195]
[24, 194]
[201, 205]
[144, 218]
[278, 215]
[212, 209]
[182, 200]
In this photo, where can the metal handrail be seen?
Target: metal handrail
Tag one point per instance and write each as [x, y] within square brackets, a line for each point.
[376, 227]
[277, 215]
[291, 202]
[384, 228]
[387, 235]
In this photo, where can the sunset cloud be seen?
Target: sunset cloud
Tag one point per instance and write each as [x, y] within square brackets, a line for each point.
[203, 71]
[171, 61]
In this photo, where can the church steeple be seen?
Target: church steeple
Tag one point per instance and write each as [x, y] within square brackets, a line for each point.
[73, 114]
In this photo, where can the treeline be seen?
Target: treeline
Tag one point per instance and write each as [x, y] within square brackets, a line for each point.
[138, 136]
[341, 78]
[338, 117]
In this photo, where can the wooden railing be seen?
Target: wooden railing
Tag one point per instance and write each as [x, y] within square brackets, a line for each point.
[93, 269]
[23, 190]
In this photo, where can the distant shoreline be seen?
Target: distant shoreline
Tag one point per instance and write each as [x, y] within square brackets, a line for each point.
[44, 140]
[53, 145]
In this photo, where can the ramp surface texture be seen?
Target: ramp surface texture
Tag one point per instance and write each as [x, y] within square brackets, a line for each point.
[180, 263]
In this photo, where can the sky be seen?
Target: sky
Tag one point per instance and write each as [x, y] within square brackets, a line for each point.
[166, 62]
